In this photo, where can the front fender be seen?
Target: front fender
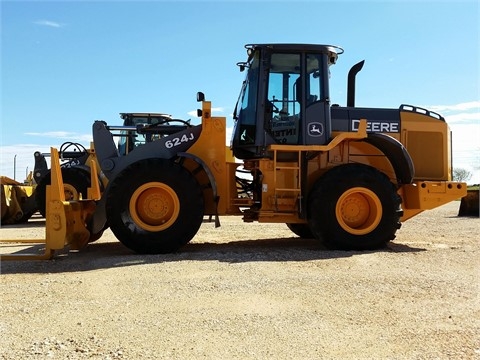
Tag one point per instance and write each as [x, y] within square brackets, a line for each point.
[211, 179]
[167, 147]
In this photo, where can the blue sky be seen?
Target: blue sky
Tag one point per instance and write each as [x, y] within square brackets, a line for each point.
[65, 64]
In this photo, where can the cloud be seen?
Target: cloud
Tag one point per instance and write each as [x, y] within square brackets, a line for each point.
[49, 23]
[464, 118]
[64, 135]
[462, 113]
[471, 105]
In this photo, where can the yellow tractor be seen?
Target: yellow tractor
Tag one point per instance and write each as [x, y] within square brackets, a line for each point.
[345, 175]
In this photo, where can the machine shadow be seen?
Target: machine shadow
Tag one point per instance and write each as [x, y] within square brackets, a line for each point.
[114, 254]
[39, 222]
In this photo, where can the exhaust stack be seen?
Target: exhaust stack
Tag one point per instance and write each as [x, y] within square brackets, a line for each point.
[351, 83]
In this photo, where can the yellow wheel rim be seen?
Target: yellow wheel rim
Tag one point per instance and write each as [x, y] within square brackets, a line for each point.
[358, 211]
[70, 192]
[154, 206]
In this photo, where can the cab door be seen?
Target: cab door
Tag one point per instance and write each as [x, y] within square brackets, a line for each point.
[297, 108]
[282, 105]
[317, 118]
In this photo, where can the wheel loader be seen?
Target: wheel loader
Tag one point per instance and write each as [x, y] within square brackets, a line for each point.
[345, 175]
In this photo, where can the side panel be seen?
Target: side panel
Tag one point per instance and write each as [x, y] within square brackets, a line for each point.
[426, 138]
[316, 129]
[378, 120]
[428, 141]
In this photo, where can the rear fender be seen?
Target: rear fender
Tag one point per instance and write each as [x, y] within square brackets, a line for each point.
[396, 153]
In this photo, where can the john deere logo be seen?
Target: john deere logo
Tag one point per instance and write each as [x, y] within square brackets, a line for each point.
[315, 129]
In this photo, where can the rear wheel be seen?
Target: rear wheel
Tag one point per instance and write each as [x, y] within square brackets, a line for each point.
[302, 230]
[154, 206]
[354, 207]
[76, 182]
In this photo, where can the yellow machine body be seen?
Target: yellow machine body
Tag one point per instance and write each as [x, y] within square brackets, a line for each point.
[427, 140]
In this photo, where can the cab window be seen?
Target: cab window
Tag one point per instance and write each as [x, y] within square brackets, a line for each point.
[283, 97]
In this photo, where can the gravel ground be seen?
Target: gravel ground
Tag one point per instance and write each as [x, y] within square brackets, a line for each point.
[250, 291]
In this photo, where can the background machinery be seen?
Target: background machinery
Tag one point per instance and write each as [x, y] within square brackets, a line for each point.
[17, 200]
[76, 159]
[347, 176]
[20, 200]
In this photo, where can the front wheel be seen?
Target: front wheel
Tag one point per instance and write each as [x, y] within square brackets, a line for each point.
[76, 182]
[354, 207]
[154, 206]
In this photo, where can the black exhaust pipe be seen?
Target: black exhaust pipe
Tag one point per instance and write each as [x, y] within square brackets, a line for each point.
[351, 83]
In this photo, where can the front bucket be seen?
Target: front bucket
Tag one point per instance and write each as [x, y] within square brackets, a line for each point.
[469, 204]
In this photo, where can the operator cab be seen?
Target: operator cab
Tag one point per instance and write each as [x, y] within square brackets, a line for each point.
[134, 119]
[130, 138]
[284, 98]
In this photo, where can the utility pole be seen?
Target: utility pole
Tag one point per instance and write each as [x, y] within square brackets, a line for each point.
[14, 166]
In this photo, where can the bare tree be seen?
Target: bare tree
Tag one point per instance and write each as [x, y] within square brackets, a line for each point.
[460, 174]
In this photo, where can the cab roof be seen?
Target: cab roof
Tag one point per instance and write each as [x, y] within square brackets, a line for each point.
[123, 115]
[298, 47]
[331, 50]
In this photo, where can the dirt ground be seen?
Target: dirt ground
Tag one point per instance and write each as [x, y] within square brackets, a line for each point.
[250, 291]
